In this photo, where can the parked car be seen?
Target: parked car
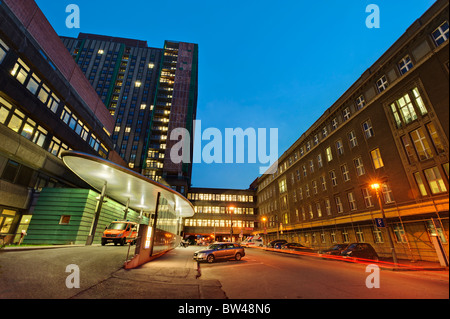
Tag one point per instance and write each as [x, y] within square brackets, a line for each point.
[360, 250]
[297, 247]
[334, 250]
[120, 232]
[220, 251]
[277, 242]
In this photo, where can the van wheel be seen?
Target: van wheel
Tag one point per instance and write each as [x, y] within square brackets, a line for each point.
[238, 256]
[210, 259]
[122, 242]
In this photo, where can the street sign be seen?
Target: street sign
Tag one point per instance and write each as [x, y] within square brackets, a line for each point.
[380, 222]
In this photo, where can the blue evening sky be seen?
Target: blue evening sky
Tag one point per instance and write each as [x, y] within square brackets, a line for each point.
[262, 64]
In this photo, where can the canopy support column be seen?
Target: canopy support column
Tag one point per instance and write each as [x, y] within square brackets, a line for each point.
[155, 220]
[98, 209]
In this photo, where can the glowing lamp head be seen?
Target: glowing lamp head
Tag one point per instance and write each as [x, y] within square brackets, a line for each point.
[375, 186]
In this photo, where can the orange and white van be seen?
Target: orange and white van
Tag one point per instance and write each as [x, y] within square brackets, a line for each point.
[120, 232]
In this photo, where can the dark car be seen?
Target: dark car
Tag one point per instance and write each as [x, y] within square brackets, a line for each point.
[220, 251]
[360, 250]
[297, 247]
[334, 250]
[277, 243]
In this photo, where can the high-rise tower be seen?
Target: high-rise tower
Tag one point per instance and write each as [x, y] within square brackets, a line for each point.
[150, 92]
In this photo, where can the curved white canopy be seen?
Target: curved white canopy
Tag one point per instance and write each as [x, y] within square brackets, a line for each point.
[123, 184]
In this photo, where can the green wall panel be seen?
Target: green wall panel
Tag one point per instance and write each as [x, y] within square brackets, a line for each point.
[80, 205]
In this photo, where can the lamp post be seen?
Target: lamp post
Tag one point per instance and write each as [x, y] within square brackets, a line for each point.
[231, 209]
[264, 220]
[376, 187]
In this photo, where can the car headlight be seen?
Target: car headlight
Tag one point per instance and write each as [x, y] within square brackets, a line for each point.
[201, 255]
[119, 235]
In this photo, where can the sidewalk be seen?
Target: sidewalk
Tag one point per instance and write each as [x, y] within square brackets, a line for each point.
[171, 276]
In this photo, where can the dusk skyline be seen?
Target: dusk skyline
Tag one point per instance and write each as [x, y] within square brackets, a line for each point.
[259, 66]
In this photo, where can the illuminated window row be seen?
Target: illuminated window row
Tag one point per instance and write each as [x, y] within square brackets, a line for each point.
[22, 73]
[17, 121]
[36, 86]
[218, 223]
[223, 210]
[221, 197]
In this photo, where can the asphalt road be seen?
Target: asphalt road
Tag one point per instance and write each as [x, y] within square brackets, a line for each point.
[41, 274]
[270, 275]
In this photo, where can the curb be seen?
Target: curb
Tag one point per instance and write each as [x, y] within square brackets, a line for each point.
[27, 248]
[381, 264]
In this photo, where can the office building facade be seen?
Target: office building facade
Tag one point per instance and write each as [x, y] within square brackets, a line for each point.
[390, 128]
[221, 214]
[150, 92]
[46, 107]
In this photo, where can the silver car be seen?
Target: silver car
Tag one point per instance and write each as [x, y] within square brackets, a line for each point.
[220, 251]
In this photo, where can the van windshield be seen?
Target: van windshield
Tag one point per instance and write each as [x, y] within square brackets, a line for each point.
[118, 226]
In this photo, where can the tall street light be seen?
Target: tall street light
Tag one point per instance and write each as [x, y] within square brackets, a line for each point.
[376, 187]
[264, 220]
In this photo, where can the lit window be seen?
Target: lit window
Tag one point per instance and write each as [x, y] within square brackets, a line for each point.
[440, 35]
[329, 154]
[20, 71]
[39, 136]
[100, 51]
[376, 158]
[33, 84]
[15, 123]
[435, 180]
[419, 101]
[138, 84]
[405, 64]
[420, 184]
[421, 144]
[5, 108]
[406, 109]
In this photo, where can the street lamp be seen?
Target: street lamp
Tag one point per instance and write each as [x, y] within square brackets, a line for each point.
[264, 220]
[231, 209]
[376, 187]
